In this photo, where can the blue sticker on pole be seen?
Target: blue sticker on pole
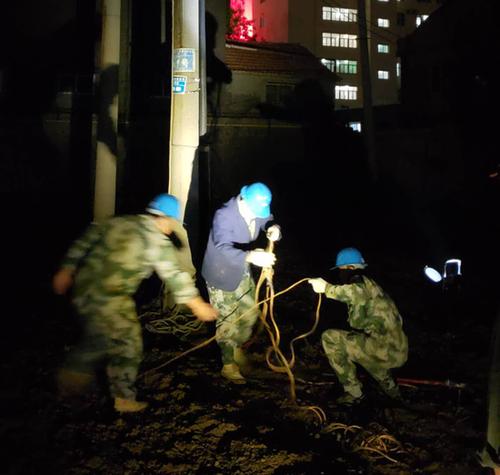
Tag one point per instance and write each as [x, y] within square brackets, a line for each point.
[179, 84]
[184, 60]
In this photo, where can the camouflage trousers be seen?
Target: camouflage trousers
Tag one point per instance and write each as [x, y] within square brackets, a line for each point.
[237, 316]
[344, 349]
[112, 339]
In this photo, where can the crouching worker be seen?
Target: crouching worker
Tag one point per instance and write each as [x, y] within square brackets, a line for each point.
[105, 267]
[226, 270]
[377, 342]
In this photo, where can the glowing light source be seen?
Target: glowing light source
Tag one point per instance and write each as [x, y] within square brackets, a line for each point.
[432, 274]
[452, 268]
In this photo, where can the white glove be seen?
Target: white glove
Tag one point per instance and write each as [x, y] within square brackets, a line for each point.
[261, 258]
[318, 285]
[273, 233]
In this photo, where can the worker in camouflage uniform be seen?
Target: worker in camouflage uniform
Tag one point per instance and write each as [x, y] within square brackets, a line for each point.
[377, 342]
[105, 266]
[226, 270]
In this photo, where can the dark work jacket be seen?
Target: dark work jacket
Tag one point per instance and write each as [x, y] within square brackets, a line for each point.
[224, 262]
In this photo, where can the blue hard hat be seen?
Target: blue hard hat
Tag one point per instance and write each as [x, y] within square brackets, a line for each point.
[258, 198]
[165, 205]
[350, 256]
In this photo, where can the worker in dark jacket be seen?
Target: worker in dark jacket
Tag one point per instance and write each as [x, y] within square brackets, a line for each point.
[226, 270]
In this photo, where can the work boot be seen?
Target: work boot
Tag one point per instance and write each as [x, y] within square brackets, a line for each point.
[391, 390]
[349, 400]
[129, 405]
[241, 359]
[232, 373]
[72, 383]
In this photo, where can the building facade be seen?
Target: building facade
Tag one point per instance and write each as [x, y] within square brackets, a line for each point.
[330, 29]
[252, 132]
[269, 73]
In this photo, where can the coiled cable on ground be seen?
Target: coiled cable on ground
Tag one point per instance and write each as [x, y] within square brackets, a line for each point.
[373, 446]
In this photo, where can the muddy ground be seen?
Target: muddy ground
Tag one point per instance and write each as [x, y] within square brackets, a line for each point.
[197, 423]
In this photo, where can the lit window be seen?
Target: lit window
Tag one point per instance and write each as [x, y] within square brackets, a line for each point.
[398, 69]
[383, 0]
[383, 22]
[338, 40]
[346, 66]
[381, 74]
[347, 93]
[328, 39]
[356, 126]
[277, 93]
[340, 14]
[420, 19]
[382, 48]
[329, 63]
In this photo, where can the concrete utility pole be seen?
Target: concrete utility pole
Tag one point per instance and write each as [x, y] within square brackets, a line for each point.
[368, 125]
[106, 152]
[185, 104]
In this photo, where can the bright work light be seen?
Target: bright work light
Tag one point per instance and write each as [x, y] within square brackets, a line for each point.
[432, 274]
[452, 269]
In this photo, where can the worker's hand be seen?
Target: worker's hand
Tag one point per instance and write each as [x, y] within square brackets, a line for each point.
[202, 310]
[62, 281]
[261, 258]
[273, 233]
[318, 285]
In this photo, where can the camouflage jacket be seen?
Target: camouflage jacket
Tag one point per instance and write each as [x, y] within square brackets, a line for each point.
[371, 311]
[113, 258]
